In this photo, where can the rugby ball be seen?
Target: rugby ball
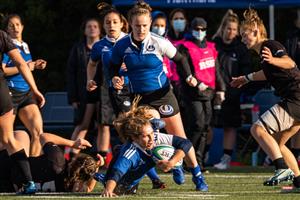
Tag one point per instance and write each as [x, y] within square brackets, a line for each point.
[164, 152]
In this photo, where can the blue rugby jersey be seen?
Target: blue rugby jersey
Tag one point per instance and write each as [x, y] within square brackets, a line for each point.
[133, 162]
[17, 81]
[145, 65]
[101, 52]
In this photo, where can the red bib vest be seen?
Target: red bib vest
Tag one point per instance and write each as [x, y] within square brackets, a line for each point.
[203, 60]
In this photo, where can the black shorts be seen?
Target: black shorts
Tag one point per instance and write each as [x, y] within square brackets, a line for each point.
[162, 100]
[106, 114]
[21, 99]
[5, 97]
[120, 99]
[92, 97]
[230, 114]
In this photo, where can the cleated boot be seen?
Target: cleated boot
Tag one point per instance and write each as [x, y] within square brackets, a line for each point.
[158, 184]
[28, 189]
[200, 183]
[178, 175]
[280, 175]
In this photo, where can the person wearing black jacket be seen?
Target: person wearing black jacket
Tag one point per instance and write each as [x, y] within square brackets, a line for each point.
[83, 102]
[234, 58]
[202, 57]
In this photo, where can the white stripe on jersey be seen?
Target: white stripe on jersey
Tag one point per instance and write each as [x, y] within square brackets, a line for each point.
[130, 152]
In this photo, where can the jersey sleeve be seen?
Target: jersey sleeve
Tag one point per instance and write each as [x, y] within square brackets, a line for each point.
[168, 48]
[95, 53]
[5, 59]
[277, 49]
[161, 138]
[175, 141]
[121, 166]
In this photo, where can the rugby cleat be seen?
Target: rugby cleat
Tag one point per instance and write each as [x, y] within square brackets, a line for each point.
[280, 175]
[178, 175]
[200, 183]
[158, 184]
[28, 189]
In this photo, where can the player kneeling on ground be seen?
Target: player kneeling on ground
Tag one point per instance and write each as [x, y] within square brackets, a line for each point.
[135, 157]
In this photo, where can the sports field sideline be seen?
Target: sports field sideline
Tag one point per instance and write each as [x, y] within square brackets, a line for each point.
[238, 183]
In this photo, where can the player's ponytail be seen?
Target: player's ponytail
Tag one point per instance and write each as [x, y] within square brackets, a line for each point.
[229, 17]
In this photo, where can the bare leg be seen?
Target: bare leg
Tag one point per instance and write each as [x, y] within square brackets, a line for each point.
[81, 130]
[190, 158]
[288, 156]
[174, 125]
[23, 138]
[6, 133]
[103, 138]
[266, 142]
[32, 119]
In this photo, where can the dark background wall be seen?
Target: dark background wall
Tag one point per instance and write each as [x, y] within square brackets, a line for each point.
[52, 27]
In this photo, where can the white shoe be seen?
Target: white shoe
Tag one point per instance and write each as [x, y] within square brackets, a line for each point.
[280, 175]
[224, 164]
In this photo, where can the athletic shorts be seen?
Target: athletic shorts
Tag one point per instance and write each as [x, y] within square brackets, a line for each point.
[231, 114]
[92, 97]
[21, 99]
[162, 100]
[120, 100]
[275, 119]
[106, 114]
[5, 97]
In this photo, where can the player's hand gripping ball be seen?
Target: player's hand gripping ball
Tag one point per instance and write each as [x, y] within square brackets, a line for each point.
[164, 152]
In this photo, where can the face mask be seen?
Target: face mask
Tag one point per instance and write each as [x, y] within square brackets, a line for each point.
[199, 35]
[179, 25]
[159, 30]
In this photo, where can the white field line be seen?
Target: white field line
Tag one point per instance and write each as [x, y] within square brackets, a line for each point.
[199, 196]
[224, 176]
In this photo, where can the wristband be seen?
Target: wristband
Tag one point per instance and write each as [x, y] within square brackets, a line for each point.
[249, 77]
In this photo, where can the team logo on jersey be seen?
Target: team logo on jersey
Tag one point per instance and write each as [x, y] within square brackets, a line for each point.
[166, 109]
[126, 103]
[151, 47]
[105, 48]
[128, 50]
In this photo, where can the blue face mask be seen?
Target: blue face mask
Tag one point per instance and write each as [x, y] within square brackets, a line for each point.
[159, 30]
[179, 25]
[199, 35]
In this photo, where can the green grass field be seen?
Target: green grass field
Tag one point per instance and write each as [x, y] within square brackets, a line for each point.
[238, 183]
